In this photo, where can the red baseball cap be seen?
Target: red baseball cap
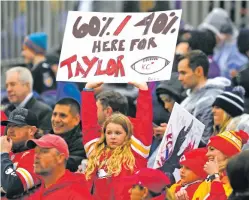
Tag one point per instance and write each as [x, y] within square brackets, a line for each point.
[50, 141]
[195, 161]
[153, 179]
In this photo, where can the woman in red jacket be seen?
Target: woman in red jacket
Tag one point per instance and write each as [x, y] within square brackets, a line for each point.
[117, 150]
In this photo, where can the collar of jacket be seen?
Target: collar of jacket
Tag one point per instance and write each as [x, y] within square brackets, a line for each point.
[71, 134]
[30, 102]
[20, 147]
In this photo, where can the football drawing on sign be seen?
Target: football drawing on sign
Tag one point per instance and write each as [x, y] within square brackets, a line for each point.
[150, 65]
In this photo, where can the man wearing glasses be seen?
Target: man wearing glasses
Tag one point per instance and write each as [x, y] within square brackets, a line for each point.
[17, 171]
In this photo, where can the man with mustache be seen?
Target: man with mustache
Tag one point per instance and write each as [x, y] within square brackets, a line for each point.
[17, 176]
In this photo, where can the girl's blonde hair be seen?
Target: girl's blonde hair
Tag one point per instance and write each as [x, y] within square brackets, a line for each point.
[120, 156]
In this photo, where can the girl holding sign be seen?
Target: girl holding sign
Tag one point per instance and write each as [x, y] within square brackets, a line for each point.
[117, 149]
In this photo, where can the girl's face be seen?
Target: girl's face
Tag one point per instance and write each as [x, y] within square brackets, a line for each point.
[115, 135]
[213, 152]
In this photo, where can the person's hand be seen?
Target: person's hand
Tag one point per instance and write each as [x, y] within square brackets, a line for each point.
[79, 171]
[140, 85]
[93, 85]
[6, 144]
[160, 130]
[233, 73]
[211, 167]
[181, 195]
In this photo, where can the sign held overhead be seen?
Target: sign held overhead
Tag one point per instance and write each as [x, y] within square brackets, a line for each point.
[118, 47]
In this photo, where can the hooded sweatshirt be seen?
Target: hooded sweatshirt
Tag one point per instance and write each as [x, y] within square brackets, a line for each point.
[172, 87]
[70, 186]
[199, 103]
[226, 54]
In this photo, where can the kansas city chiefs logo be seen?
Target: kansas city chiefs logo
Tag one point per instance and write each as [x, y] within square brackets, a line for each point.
[150, 65]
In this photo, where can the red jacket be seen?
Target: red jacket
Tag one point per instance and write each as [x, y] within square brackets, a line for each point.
[161, 197]
[214, 190]
[23, 163]
[141, 140]
[71, 186]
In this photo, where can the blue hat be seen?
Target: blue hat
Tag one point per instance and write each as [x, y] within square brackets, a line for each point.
[37, 42]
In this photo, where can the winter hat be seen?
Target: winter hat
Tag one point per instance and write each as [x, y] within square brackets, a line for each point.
[37, 42]
[195, 160]
[229, 142]
[231, 102]
[243, 41]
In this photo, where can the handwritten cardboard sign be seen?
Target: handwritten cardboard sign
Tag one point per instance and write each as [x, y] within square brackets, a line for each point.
[183, 133]
[118, 47]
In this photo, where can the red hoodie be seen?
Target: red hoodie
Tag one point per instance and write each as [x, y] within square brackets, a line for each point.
[70, 186]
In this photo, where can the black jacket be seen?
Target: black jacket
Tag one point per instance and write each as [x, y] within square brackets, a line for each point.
[44, 78]
[76, 149]
[42, 111]
[242, 79]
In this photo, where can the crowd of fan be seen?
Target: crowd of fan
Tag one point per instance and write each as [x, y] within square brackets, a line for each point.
[99, 141]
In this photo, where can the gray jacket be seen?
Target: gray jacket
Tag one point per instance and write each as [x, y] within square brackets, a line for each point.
[199, 103]
[240, 123]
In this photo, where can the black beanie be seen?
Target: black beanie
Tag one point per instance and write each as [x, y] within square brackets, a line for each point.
[231, 102]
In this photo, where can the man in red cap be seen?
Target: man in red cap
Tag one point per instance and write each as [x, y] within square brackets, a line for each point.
[147, 184]
[51, 154]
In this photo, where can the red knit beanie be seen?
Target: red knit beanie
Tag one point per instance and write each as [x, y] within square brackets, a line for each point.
[195, 160]
[229, 142]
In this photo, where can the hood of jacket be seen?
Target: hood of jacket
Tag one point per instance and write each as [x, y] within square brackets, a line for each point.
[218, 21]
[172, 87]
[218, 83]
[71, 136]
